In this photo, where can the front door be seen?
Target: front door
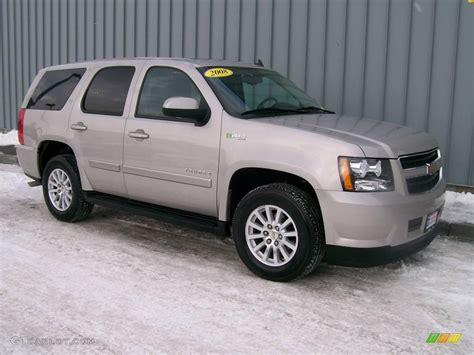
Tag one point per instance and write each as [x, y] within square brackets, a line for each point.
[170, 161]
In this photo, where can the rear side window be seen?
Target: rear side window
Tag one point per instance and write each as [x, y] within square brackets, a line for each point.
[108, 91]
[54, 89]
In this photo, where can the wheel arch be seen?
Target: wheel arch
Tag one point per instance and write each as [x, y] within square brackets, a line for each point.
[49, 148]
[245, 179]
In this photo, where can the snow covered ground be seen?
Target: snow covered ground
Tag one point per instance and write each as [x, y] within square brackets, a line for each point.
[459, 207]
[9, 138]
[135, 284]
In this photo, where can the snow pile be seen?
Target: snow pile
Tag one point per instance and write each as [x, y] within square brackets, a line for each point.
[9, 138]
[459, 207]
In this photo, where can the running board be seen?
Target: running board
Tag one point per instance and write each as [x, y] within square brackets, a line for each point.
[175, 216]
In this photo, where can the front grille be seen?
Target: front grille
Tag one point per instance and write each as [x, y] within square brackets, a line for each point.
[413, 161]
[422, 183]
[418, 178]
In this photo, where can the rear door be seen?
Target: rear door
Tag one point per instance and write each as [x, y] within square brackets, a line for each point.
[97, 123]
[176, 165]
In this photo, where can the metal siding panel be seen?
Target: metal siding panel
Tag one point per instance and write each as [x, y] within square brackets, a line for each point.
[376, 49]
[459, 171]
[63, 32]
[141, 38]
[247, 38]
[190, 29]
[32, 40]
[218, 29]
[355, 57]
[130, 29]
[25, 49]
[72, 31]
[152, 21]
[119, 29]
[443, 71]
[280, 43]
[164, 48]
[55, 33]
[298, 42]
[99, 23]
[90, 29]
[407, 61]
[264, 23]
[204, 29]
[6, 82]
[47, 33]
[232, 30]
[18, 59]
[335, 54]
[109, 33]
[397, 61]
[316, 63]
[420, 63]
[177, 14]
[13, 58]
[81, 37]
[2, 69]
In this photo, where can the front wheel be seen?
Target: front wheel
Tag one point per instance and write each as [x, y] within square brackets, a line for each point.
[62, 190]
[278, 232]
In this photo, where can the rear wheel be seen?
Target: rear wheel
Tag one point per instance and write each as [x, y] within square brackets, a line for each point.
[278, 232]
[62, 190]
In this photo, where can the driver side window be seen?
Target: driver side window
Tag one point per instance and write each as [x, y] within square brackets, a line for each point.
[161, 83]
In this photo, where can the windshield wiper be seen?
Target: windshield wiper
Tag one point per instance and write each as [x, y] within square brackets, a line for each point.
[308, 109]
[269, 110]
[312, 109]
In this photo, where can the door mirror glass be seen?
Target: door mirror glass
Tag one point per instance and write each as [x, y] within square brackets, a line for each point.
[186, 107]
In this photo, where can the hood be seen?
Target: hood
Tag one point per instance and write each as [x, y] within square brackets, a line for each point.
[377, 139]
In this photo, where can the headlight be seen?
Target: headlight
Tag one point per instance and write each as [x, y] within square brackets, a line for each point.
[359, 174]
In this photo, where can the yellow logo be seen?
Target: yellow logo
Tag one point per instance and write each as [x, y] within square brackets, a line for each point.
[218, 73]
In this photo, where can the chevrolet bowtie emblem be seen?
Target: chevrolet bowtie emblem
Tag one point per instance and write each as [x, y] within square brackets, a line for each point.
[432, 168]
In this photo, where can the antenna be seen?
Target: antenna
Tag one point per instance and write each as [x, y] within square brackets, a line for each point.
[259, 62]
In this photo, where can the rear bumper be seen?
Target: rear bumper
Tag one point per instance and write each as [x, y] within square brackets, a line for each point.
[27, 158]
[365, 257]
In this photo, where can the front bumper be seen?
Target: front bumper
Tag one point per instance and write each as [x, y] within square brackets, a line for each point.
[366, 257]
[378, 219]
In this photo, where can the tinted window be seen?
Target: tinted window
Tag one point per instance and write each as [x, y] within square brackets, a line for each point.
[160, 84]
[54, 89]
[108, 91]
[257, 92]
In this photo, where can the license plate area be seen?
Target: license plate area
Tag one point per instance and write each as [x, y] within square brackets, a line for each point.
[431, 220]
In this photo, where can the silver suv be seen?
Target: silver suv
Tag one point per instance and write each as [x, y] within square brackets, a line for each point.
[226, 147]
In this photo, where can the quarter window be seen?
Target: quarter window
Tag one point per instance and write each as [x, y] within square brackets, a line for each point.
[54, 89]
[160, 84]
[108, 91]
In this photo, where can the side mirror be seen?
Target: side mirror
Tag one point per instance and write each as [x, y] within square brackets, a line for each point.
[186, 107]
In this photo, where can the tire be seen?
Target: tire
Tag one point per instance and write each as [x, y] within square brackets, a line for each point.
[304, 232]
[77, 208]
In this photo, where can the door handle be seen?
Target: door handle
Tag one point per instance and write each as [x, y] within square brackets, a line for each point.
[139, 134]
[79, 126]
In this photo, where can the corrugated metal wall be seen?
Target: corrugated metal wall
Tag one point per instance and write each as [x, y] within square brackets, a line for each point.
[404, 61]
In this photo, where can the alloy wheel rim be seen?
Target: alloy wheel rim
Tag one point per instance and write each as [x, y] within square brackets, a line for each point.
[271, 235]
[60, 189]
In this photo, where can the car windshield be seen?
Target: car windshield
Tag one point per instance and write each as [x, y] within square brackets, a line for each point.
[257, 92]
